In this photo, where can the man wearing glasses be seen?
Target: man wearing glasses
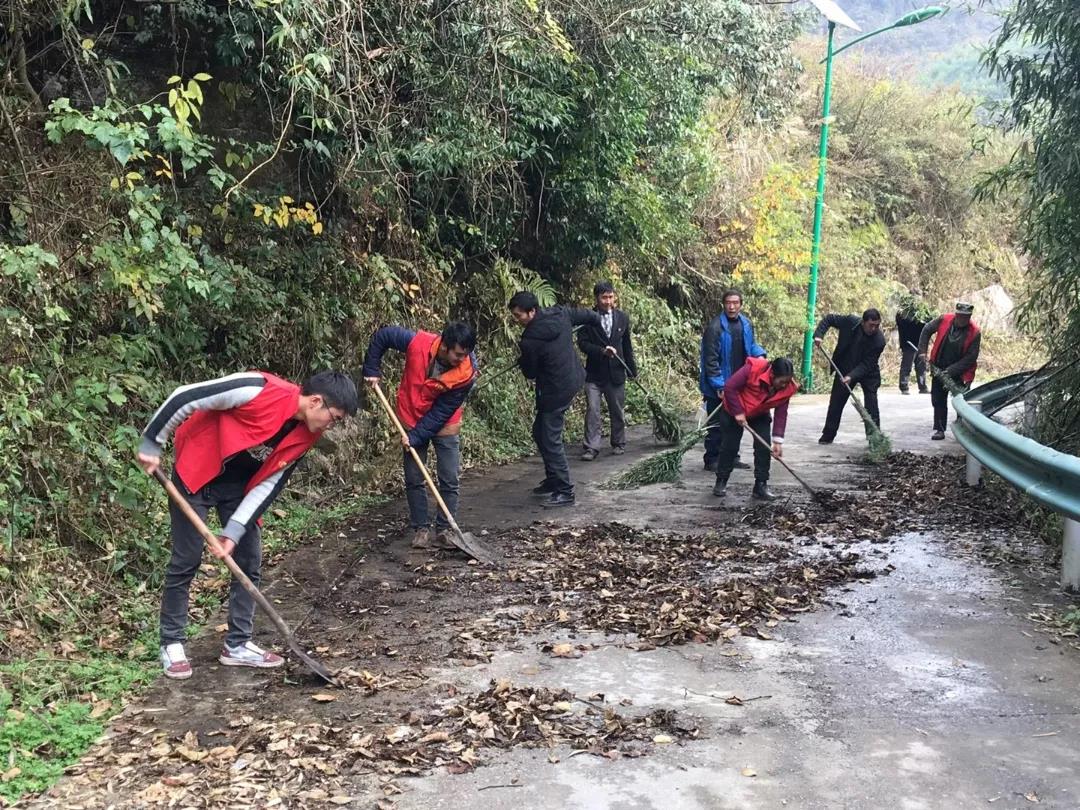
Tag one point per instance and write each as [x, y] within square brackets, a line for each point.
[238, 440]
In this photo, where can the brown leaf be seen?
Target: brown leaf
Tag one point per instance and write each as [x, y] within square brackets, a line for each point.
[323, 697]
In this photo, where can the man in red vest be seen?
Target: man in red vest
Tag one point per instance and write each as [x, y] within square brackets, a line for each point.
[238, 440]
[439, 374]
[749, 395]
[957, 341]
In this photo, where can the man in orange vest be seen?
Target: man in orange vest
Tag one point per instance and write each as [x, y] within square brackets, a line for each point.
[749, 395]
[956, 354]
[440, 371]
[238, 440]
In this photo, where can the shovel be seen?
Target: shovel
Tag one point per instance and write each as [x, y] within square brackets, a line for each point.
[212, 541]
[463, 540]
[817, 496]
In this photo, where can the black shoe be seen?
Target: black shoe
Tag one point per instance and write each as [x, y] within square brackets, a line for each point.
[924, 390]
[719, 488]
[618, 451]
[904, 391]
[741, 465]
[543, 489]
[824, 440]
[710, 466]
[762, 492]
[589, 455]
[938, 436]
[559, 499]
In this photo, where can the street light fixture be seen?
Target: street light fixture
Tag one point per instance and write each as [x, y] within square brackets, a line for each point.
[836, 16]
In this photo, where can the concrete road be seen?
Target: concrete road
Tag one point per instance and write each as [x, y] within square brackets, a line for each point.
[925, 689]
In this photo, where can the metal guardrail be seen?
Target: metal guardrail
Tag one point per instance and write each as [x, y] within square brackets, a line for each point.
[1048, 476]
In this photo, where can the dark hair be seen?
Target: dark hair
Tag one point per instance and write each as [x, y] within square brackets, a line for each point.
[336, 389]
[602, 287]
[459, 333]
[730, 291]
[524, 300]
[782, 367]
[871, 315]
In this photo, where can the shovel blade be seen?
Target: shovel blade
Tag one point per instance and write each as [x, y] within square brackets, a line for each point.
[311, 663]
[468, 543]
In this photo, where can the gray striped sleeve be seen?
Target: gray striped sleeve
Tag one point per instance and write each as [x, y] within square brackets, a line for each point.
[255, 503]
[212, 395]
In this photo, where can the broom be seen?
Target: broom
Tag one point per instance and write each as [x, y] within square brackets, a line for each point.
[666, 425]
[662, 468]
[879, 443]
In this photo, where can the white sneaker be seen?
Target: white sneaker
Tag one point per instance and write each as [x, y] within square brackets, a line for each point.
[249, 654]
[174, 662]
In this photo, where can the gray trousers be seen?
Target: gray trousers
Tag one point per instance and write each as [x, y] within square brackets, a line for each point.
[187, 549]
[447, 465]
[616, 402]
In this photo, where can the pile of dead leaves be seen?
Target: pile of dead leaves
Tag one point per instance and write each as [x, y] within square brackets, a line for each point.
[283, 762]
[659, 588]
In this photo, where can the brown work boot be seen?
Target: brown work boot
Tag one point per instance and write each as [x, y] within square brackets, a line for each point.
[422, 538]
[443, 539]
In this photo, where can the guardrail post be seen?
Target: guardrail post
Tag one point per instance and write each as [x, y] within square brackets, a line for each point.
[1070, 556]
[1031, 403]
[973, 469]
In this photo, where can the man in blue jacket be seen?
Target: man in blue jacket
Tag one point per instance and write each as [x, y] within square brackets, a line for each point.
[726, 343]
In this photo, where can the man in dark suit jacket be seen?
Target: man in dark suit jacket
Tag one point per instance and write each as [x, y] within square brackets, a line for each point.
[606, 348]
[859, 345]
[548, 358]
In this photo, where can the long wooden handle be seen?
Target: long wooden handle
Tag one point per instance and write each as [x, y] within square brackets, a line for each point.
[416, 457]
[839, 376]
[633, 377]
[212, 541]
[765, 444]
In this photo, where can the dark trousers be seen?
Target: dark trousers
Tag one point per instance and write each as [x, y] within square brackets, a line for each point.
[187, 548]
[838, 399]
[615, 396]
[547, 432]
[447, 465]
[909, 357]
[714, 435]
[731, 434]
[939, 397]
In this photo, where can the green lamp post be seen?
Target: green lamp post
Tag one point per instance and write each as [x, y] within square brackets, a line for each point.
[836, 16]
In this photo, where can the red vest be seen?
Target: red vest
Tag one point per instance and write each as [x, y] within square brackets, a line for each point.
[418, 392]
[207, 439]
[758, 397]
[939, 341]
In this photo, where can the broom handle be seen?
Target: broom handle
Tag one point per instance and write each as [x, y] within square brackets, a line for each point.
[795, 475]
[631, 375]
[507, 368]
[836, 370]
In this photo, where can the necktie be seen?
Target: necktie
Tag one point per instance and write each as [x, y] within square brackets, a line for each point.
[605, 319]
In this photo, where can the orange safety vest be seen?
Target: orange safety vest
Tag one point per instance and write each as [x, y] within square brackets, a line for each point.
[939, 341]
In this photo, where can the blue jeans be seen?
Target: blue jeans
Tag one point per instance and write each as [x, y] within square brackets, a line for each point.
[447, 465]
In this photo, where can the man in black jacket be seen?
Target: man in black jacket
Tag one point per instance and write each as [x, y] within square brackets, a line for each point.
[909, 327]
[605, 376]
[548, 357]
[858, 348]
